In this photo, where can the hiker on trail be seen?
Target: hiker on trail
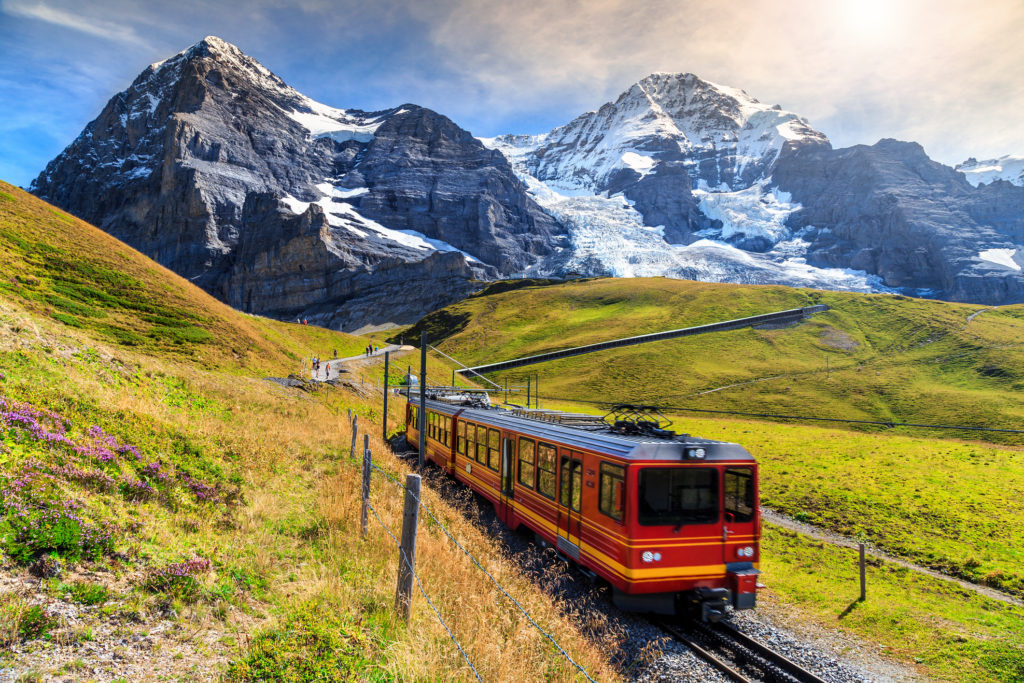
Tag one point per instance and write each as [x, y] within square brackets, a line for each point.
[335, 353]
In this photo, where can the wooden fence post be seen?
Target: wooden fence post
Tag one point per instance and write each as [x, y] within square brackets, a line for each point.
[863, 577]
[355, 431]
[387, 362]
[407, 553]
[367, 467]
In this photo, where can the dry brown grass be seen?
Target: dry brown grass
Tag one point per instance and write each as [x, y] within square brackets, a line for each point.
[292, 448]
[491, 630]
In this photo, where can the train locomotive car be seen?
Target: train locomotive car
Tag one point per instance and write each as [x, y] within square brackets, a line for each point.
[670, 522]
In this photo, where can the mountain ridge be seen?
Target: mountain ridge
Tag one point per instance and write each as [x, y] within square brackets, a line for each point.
[288, 207]
[170, 163]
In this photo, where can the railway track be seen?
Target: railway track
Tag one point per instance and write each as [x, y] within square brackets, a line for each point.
[739, 656]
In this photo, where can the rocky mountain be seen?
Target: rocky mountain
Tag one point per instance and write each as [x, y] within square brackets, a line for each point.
[286, 207]
[283, 206]
[682, 177]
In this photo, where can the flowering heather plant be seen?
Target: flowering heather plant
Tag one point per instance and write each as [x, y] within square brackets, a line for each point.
[135, 489]
[178, 579]
[35, 509]
[204, 493]
[59, 528]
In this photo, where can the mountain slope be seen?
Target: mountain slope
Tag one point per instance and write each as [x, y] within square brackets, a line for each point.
[165, 512]
[60, 267]
[205, 161]
[686, 178]
[886, 358]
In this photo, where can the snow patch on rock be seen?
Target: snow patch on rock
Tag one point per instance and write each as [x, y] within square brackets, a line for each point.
[1009, 168]
[759, 211]
[342, 214]
[1001, 257]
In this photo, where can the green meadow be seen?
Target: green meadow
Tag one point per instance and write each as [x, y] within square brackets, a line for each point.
[207, 517]
[943, 498]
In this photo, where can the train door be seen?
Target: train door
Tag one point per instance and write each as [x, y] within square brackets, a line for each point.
[505, 496]
[570, 503]
[739, 506]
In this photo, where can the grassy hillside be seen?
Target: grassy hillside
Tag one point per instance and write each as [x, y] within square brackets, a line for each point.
[57, 266]
[939, 498]
[871, 357]
[166, 511]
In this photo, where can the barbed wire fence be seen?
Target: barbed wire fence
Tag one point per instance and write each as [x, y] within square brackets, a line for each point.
[407, 560]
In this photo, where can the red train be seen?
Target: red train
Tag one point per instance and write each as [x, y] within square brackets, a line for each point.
[671, 522]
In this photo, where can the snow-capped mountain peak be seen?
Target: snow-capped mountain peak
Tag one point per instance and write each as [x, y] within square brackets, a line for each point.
[721, 134]
[1009, 168]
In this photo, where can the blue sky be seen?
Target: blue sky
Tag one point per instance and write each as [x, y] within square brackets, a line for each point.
[946, 73]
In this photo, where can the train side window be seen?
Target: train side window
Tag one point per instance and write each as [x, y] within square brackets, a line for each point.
[526, 453]
[612, 488]
[493, 448]
[448, 431]
[739, 493]
[570, 493]
[481, 444]
[471, 441]
[547, 464]
[460, 430]
[415, 423]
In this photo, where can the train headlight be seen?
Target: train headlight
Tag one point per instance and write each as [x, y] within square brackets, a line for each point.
[745, 551]
[696, 453]
[649, 556]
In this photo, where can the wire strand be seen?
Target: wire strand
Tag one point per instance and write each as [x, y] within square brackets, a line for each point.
[884, 423]
[488, 574]
[405, 559]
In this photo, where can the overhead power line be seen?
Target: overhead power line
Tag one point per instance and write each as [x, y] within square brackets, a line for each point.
[810, 418]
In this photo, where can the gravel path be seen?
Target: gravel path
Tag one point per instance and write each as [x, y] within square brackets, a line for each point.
[332, 369]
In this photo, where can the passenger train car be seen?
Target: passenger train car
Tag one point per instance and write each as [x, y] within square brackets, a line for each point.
[670, 522]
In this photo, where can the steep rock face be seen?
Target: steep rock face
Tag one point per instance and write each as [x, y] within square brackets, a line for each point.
[206, 160]
[889, 209]
[428, 175]
[664, 136]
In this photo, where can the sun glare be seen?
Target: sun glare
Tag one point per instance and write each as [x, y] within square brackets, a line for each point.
[865, 18]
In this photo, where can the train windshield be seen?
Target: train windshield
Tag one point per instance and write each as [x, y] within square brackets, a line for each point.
[678, 495]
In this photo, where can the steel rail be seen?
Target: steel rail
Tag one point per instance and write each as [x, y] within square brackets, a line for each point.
[775, 658]
[779, 317]
[745, 652]
[707, 656]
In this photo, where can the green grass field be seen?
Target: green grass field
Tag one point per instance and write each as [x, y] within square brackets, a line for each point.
[143, 454]
[940, 498]
[871, 357]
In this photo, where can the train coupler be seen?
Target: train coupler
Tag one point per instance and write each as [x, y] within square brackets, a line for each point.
[713, 602]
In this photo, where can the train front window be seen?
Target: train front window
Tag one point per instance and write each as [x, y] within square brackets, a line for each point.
[678, 495]
[739, 493]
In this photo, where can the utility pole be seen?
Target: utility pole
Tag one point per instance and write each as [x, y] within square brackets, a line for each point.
[423, 397]
[387, 358]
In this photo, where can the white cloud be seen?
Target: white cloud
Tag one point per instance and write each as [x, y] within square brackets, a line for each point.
[59, 17]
